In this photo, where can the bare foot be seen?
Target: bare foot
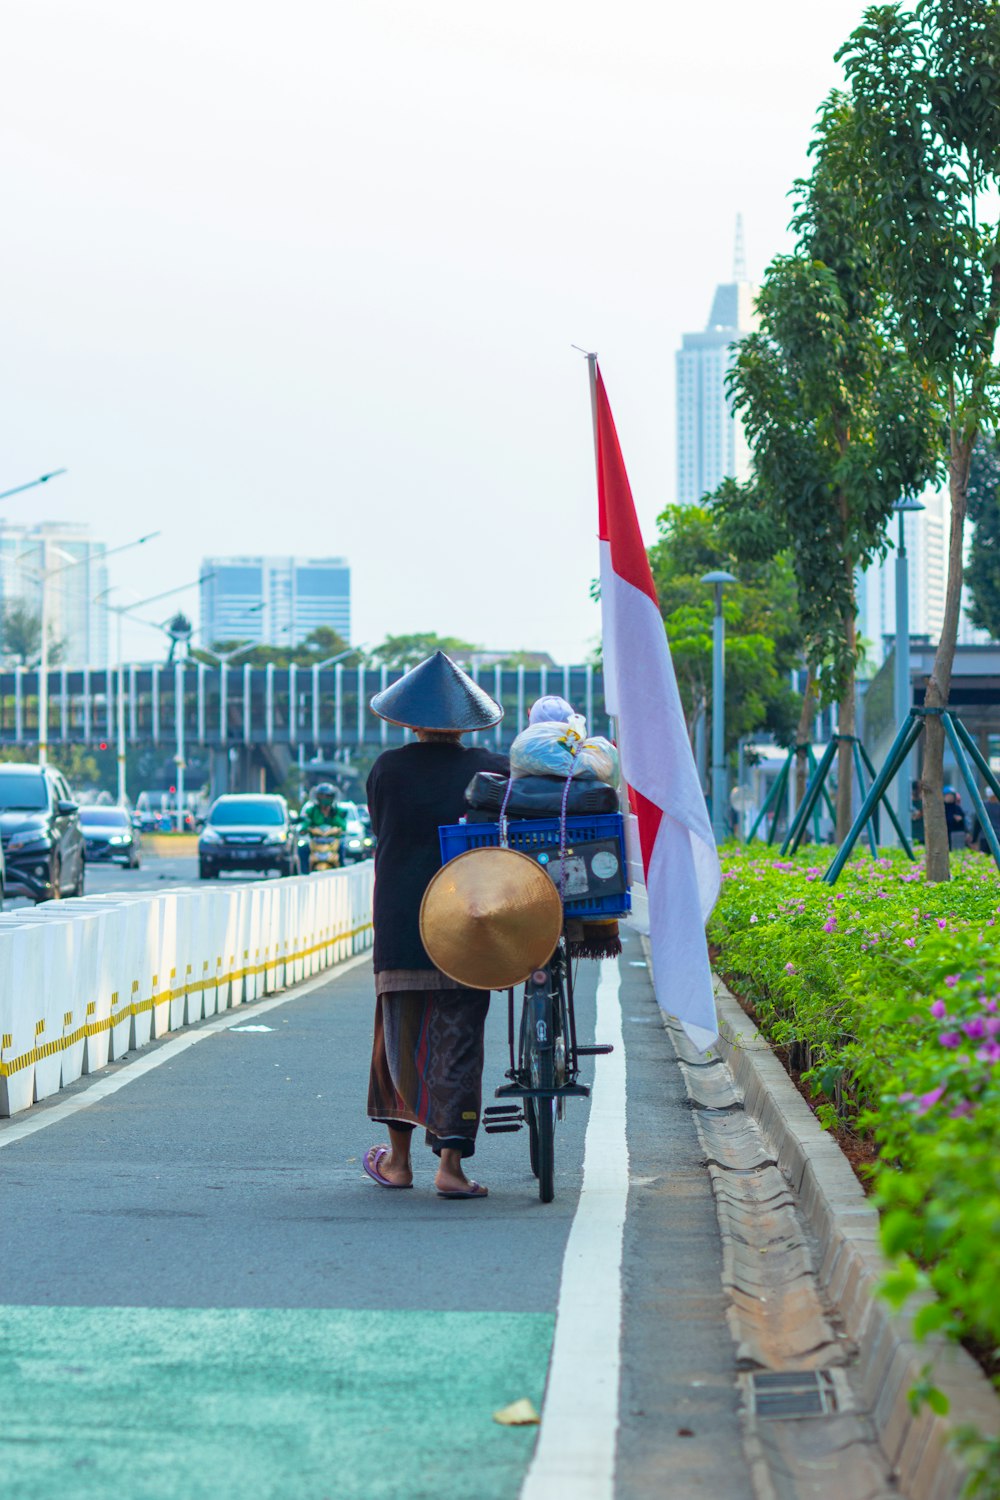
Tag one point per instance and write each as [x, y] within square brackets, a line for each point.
[388, 1168]
[452, 1181]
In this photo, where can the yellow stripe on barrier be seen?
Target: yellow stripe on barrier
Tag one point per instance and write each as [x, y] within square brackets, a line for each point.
[137, 1007]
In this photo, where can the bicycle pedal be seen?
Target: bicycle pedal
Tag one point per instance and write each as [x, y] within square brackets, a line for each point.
[501, 1109]
[599, 1049]
[503, 1127]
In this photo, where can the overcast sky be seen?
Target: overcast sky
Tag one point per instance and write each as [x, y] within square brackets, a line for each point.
[305, 276]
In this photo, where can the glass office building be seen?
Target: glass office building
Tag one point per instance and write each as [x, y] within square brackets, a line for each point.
[77, 574]
[276, 601]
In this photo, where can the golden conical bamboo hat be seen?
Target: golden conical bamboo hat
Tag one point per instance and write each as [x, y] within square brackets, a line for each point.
[489, 917]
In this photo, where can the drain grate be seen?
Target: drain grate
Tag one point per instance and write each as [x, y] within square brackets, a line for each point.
[792, 1393]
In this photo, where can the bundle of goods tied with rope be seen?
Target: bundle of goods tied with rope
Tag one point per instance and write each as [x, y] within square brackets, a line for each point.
[557, 771]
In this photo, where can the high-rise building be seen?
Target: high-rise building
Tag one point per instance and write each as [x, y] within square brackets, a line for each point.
[276, 601]
[77, 574]
[711, 444]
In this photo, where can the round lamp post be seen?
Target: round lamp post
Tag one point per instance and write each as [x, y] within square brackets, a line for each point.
[902, 695]
[720, 822]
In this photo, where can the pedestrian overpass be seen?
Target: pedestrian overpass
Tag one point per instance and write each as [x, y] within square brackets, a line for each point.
[250, 722]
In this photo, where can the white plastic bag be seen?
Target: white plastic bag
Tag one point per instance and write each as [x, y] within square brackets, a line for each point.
[551, 749]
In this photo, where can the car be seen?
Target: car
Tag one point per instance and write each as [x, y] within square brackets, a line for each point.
[108, 833]
[357, 842]
[251, 832]
[43, 847]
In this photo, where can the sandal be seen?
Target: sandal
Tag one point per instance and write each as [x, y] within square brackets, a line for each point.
[370, 1162]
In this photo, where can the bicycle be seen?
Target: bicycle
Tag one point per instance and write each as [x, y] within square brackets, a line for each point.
[585, 856]
[544, 1072]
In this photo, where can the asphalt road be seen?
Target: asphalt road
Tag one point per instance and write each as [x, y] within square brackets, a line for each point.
[204, 1296]
[153, 874]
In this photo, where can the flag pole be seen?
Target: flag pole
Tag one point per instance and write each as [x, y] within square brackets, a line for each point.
[592, 375]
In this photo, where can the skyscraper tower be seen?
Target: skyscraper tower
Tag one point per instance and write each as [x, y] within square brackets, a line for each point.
[710, 440]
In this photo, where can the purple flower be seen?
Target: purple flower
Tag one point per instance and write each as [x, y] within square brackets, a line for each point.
[992, 1025]
[830, 925]
[942, 922]
[939, 1010]
[754, 917]
[975, 1029]
[964, 1107]
[927, 1101]
[791, 969]
[951, 980]
[990, 1052]
[910, 942]
[950, 1039]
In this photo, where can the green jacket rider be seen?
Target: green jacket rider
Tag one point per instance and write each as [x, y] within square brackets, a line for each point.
[321, 811]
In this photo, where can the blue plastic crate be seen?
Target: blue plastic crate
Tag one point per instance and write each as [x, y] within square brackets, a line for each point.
[532, 835]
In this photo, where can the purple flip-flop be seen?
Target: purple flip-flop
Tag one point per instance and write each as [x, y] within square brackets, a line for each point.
[370, 1162]
[474, 1190]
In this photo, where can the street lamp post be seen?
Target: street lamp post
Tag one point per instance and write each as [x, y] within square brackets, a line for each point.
[902, 697]
[43, 575]
[720, 827]
[317, 668]
[120, 611]
[43, 479]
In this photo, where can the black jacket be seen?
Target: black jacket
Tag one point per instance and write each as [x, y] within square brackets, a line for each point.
[411, 791]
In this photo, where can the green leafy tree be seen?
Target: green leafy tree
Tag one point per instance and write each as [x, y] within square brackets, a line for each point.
[925, 91]
[319, 645]
[982, 571]
[839, 424]
[763, 638]
[21, 635]
[408, 650]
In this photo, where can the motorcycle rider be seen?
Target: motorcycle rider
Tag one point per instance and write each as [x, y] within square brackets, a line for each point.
[321, 811]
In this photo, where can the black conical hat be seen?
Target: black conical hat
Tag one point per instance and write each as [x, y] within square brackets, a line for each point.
[437, 694]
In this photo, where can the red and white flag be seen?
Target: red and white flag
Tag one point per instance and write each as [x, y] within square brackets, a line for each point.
[679, 856]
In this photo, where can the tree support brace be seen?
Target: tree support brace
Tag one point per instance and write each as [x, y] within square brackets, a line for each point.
[963, 747]
[772, 802]
[817, 787]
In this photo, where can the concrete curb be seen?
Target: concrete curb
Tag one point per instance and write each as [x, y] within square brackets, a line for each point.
[846, 1228]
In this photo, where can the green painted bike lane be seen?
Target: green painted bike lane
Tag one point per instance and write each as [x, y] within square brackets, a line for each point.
[204, 1296]
[265, 1403]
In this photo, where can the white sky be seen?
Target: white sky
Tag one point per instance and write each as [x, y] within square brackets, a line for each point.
[304, 276]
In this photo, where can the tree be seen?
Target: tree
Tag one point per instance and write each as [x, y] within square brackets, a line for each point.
[408, 650]
[925, 90]
[21, 635]
[319, 645]
[839, 424]
[763, 641]
[982, 571]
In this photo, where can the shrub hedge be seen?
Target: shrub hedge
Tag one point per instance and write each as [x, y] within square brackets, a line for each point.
[886, 992]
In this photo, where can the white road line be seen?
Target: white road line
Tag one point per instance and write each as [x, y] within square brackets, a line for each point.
[579, 1431]
[103, 1088]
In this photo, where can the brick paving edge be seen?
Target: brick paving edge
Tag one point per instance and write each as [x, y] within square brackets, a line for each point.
[846, 1228]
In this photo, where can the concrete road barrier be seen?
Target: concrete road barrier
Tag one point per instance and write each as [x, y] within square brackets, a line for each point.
[84, 981]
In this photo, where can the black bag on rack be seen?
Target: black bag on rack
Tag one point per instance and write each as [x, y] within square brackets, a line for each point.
[537, 796]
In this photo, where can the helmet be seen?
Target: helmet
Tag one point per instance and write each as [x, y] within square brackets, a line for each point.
[325, 792]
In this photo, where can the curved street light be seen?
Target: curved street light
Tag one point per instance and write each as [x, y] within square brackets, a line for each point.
[43, 479]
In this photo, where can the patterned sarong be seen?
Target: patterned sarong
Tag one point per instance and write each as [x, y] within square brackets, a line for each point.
[427, 1064]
